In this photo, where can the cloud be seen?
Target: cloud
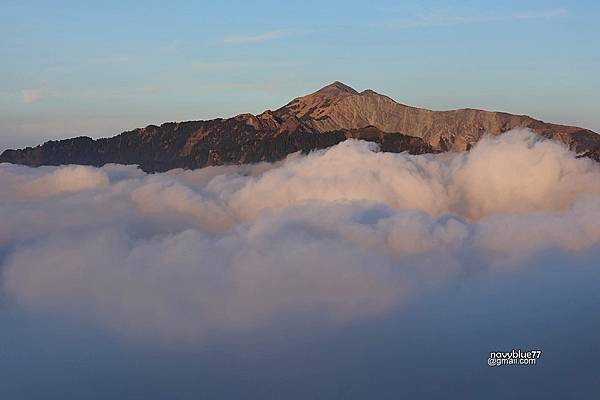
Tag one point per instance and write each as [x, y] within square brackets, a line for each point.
[219, 65]
[340, 234]
[112, 60]
[30, 96]
[236, 64]
[73, 178]
[240, 39]
[552, 13]
[440, 17]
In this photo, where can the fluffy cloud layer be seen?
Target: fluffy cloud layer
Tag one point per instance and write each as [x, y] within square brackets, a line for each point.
[339, 234]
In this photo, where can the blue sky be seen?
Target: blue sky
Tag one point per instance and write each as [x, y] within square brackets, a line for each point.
[70, 68]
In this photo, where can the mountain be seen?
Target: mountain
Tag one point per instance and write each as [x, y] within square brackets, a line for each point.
[319, 120]
[338, 106]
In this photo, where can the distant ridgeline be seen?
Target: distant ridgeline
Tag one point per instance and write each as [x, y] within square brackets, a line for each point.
[319, 120]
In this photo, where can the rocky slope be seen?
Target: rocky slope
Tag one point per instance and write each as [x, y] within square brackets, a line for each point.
[321, 119]
[338, 106]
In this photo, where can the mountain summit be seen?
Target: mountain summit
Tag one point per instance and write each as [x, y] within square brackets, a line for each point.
[332, 114]
[339, 107]
[334, 89]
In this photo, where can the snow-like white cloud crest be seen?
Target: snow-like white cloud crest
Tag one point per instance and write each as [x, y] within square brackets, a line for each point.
[339, 234]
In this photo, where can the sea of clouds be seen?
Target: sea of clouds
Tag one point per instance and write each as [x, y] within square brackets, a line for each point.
[338, 235]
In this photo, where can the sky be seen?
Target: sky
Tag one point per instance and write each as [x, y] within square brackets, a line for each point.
[81, 68]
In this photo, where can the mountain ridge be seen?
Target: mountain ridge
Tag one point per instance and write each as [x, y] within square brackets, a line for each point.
[321, 119]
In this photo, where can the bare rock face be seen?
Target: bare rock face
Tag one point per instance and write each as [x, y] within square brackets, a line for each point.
[338, 106]
[319, 120]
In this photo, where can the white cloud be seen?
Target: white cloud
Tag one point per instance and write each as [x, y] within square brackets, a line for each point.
[236, 64]
[112, 60]
[336, 235]
[240, 39]
[552, 13]
[218, 65]
[69, 179]
[431, 17]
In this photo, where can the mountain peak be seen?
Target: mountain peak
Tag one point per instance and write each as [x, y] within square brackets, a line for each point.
[318, 120]
[336, 88]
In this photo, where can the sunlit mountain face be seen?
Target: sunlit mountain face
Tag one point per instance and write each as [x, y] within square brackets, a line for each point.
[319, 120]
[347, 272]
